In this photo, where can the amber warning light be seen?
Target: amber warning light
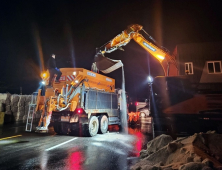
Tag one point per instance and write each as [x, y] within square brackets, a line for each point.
[44, 75]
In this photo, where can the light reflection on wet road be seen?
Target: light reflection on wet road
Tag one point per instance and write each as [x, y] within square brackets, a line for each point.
[112, 150]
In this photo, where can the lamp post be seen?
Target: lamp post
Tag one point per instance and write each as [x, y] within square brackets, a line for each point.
[150, 82]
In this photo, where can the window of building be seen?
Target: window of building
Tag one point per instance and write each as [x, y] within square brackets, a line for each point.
[189, 68]
[214, 67]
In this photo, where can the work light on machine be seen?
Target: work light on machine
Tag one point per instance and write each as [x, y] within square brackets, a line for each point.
[43, 82]
[160, 57]
[44, 75]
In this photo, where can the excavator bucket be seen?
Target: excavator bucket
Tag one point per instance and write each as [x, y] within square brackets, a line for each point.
[107, 65]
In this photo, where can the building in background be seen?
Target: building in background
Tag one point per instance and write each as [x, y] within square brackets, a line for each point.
[202, 63]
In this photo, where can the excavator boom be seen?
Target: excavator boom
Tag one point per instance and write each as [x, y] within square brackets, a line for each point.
[167, 61]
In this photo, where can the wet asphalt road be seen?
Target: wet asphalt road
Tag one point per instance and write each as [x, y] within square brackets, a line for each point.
[30, 150]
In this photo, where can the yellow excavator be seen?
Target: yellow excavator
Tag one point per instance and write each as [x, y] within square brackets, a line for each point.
[174, 104]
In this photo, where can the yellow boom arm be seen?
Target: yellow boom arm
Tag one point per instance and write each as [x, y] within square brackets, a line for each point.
[167, 61]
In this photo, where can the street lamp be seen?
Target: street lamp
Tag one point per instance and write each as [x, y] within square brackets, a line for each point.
[150, 82]
[150, 79]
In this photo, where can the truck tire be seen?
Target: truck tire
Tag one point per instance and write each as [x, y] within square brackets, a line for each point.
[103, 124]
[93, 126]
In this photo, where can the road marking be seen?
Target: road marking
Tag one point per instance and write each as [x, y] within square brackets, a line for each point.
[60, 144]
[10, 137]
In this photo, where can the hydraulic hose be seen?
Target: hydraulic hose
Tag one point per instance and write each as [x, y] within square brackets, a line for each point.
[63, 108]
[70, 90]
[75, 91]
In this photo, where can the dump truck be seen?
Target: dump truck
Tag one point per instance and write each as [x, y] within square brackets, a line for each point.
[84, 102]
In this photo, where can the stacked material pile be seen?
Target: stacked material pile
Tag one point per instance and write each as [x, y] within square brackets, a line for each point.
[28, 99]
[3, 97]
[8, 112]
[198, 152]
[14, 106]
[7, 105]
[21, 108]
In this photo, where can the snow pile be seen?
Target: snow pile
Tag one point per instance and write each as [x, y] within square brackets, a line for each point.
[197, 152]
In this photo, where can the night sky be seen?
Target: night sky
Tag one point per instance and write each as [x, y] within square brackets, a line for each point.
[32, 30]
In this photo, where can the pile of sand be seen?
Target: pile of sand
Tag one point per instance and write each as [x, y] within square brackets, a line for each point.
[198, 152]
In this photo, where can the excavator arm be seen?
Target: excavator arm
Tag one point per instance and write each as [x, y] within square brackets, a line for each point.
[167, 61]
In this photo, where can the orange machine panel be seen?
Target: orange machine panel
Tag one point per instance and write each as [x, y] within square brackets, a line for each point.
[95, 80]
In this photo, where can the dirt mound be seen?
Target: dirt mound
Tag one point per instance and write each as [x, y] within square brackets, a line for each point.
[155, 144]
[201, 151]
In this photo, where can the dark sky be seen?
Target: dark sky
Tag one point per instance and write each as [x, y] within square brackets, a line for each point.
[73, 29]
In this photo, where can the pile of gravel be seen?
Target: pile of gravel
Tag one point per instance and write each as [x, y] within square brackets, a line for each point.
[201, 151]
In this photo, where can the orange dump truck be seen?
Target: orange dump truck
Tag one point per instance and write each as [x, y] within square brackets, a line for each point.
[83, 101]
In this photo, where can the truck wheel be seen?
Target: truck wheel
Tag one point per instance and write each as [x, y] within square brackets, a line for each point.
[93, 126]
[103, 124]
